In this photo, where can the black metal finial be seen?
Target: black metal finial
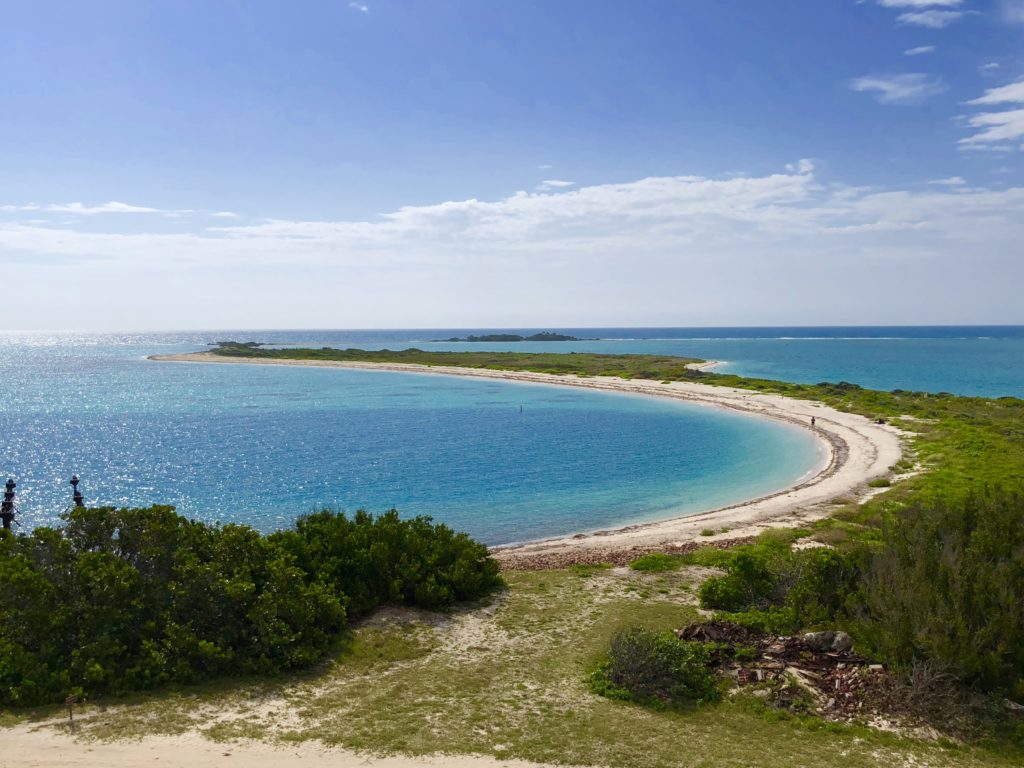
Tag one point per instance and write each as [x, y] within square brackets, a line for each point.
[77, 495]
[7, 507]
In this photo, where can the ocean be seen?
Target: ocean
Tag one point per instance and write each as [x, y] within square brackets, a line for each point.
[503, 461]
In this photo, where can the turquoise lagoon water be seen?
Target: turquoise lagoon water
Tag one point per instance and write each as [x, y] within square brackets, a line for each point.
[262, 444]
[505, 462]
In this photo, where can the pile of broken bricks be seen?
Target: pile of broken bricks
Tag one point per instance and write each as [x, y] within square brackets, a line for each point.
[818, 668]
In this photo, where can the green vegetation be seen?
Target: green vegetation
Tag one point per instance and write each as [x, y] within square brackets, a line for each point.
[655, 668]
[570, 363]
[656, 562]
[542, 336]
[133, 599]
[510, 680]
[768, 586]
[947, 587]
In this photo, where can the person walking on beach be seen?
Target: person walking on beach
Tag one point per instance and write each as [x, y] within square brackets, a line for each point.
[812, 421]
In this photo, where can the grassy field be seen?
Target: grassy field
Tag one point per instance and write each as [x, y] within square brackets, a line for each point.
[508, 679]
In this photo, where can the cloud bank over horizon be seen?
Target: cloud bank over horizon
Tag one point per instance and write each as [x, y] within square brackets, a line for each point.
[781, 248]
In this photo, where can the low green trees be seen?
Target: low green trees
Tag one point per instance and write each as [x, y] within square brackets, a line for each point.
[130, 599]
[948, 586]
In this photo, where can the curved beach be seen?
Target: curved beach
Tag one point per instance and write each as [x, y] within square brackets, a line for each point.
[856, 450]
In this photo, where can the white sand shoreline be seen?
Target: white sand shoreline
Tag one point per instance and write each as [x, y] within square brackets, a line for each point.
[856, 451]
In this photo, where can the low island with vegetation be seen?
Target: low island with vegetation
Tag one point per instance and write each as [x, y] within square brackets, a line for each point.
[542, 336]
[891, 632]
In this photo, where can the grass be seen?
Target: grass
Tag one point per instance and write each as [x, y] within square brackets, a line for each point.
[508, 680]
[656, 562]
[664, 367]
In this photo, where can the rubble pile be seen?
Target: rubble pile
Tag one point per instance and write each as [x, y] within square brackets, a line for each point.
[817, 672]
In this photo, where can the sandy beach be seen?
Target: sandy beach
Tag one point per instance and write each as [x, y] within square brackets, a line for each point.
[854, 450]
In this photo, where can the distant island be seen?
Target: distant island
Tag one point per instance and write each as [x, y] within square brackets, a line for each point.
[542, 336]
[249, 344]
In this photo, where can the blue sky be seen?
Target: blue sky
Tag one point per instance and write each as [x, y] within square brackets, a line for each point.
[186, 164]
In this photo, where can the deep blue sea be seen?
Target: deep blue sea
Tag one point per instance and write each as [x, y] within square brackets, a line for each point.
[504, 461]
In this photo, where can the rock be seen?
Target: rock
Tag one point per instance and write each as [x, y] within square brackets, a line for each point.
[828, 641]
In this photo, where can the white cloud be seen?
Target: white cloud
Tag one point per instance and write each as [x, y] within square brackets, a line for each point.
[112, 207]
[224, 215]
[545, 167]
[1006, 94]
[803, 165]
[952, 181]
[766, 245]
[361, 7]
[930, 19]
[919, 50]
[919, 3]
[552, 184]
[904, 89]
[989, 67]
[997, 128]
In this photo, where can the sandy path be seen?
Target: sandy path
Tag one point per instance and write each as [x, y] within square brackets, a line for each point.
[32, 748]
[854, 450]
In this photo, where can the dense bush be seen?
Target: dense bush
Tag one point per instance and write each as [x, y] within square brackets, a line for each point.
[130, 599]
[778, 590]
[384, 559]
[651, 667]
[948, 587]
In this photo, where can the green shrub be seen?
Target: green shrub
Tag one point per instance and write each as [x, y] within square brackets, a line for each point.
[656, 562]
[723, 593]
[586, 570]
[132, 599]
[655, 668]
[711, 557]
[780, 590]
[946, 587]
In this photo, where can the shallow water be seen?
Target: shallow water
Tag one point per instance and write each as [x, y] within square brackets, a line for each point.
[261, 444]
